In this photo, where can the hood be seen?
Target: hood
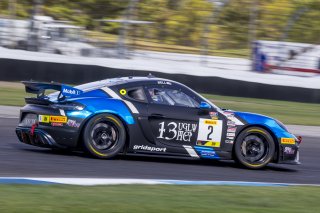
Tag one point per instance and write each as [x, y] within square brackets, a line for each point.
[263, 120]
[252, 116]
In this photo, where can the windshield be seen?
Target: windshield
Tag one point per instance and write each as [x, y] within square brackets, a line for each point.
[201, 97]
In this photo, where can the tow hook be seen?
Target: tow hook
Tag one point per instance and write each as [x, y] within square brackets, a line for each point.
[33, 127]
[299, 139]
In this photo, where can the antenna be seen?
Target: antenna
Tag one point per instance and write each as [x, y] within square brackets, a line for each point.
[151, 76]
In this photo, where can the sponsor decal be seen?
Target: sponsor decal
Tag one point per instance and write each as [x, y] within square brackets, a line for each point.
[58, 119]
[231, 123]
[52, 119]
[288, 141]
[211, 122]
[229, 141]
[165, 82]
[56, 124]
[207, 153]
[232, 120]
[289, 150]
[231, 134]
[208, 143]
[177, 131]
[70, 91]
[213, 115]
[123, 92]
[229, 114]
[149, 148]
[44, 118]
[73, 123]
[29, 121]
[232, 129]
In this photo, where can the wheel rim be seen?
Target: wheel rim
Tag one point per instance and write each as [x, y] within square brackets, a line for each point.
[254, 149]
[104, 136]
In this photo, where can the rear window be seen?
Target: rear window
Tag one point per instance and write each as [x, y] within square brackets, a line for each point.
[136, 94]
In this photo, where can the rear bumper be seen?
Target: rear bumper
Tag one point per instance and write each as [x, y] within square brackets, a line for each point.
[37, 138]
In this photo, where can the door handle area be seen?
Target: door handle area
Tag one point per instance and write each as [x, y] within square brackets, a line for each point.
[156, 115]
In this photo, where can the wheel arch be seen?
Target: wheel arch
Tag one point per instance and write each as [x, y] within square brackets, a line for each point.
[276, 142]
[85, 122]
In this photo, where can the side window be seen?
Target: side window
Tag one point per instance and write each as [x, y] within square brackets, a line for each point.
[171, 97]
[136, 94]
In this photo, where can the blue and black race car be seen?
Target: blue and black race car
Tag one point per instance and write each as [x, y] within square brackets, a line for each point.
[150, 116]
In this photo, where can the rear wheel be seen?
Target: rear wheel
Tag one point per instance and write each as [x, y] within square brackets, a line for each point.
[254, 148]
[104, 136]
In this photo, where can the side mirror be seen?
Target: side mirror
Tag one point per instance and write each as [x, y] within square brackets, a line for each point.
[204, 108]
[204, 105]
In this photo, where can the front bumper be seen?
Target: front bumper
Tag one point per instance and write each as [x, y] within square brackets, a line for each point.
[289, 154]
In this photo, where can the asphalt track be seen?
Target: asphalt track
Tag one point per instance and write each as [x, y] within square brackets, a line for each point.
[21, 160]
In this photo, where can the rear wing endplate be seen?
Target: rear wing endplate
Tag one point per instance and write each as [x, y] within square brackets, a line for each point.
[39, 88]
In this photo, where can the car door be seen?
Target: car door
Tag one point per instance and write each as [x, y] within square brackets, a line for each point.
[175, 119]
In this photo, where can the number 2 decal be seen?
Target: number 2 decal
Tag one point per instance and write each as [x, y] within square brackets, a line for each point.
[209, 133]
[210, 128]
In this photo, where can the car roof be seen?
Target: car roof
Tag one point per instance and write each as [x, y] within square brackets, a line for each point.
[121, 81]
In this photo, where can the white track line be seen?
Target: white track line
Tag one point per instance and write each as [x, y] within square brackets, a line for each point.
[121, 181]
[8, 116]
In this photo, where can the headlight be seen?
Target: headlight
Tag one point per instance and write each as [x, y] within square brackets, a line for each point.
[72, 106]
[282, 125]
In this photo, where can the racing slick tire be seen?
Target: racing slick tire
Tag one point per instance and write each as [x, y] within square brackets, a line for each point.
[254, 148]
[104, 136]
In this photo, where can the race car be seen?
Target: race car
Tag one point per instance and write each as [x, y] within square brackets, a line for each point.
[150, 116]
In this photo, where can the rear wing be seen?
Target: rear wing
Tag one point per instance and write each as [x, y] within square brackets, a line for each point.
[40, 88]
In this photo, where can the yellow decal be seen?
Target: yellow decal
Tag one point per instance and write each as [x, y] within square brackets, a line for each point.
[213, 144]
[123, 91]
[288, 141]
[44, 118]
[208, 143]
[52, 119]
[58, 119]
[210, 122]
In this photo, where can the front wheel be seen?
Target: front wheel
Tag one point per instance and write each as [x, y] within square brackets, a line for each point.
[104, 136]
[254, 148]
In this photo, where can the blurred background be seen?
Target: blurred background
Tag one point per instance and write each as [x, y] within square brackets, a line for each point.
[260, 56]
[109, 28]
[251, 48]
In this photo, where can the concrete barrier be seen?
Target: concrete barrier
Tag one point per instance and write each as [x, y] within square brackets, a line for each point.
[17, 70]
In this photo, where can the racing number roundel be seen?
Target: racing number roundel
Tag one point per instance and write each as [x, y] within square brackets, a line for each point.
[123, 92]
[209, 132]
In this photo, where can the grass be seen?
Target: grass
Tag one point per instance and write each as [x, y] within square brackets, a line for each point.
[12, 94]
[158, 198]
[285, 111]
